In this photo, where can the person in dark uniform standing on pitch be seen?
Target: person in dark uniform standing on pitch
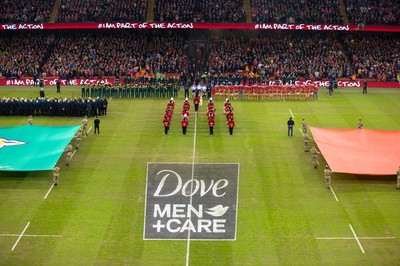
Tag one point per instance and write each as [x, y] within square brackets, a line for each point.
[41, 93]
[96, 125]
[365, 84]
[186, 90]
[290, 124]
[58, 86]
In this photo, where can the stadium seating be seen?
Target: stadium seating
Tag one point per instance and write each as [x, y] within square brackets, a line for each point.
[16, 11]
[102, 11]
[373, 12]
[288, 11]
[199, 11]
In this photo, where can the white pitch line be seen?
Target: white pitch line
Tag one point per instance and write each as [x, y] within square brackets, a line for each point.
[89, 130]
[48, 192]
[31, 235]
[291, 113]
[301, 131]
[19, 238]
[352, 238]
[73, 154]
[358, 241]
[333, 192]
[191, 188]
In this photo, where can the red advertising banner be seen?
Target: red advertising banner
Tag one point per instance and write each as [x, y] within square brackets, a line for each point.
[51, 81]
[189, 25]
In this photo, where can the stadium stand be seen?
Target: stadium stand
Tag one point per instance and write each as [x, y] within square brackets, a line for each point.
[232, 57]
[291, 11]
[86, 53]
[374, 56]
[373, 12]
[23, 53]
[199, 11]
[15, 11]
[281, 56]
[102, 11]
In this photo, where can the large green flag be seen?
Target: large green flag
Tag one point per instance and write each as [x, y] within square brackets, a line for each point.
[33, 148]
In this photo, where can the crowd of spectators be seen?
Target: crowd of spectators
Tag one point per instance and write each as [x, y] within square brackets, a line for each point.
[199, 11]
[374, 56]
[102, 11]
[15, 11]
[373, 12]
[262, 11]
[22, 53]
[294, 11]
[227, 53]
[280, 55]
[86, 53]
[269, 54]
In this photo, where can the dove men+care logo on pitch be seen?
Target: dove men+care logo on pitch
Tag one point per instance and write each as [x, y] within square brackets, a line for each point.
[191, 201]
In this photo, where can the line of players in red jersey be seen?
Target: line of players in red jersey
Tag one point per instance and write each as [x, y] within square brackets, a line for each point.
[228, 109]
[169, 111]
[211, 115]
[185, 115]
[229, 116]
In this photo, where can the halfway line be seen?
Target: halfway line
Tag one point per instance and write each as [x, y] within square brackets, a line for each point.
[19, 238]
[358, 241]
[191, 187]
[89, 130]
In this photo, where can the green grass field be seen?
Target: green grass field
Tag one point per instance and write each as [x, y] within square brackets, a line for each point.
[95, 216]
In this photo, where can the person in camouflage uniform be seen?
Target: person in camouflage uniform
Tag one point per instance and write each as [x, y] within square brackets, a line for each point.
[78, 138]
[68, 151]
[314, 156]
[56, 174]
[84, 126]
[327, 175]
[306, 142]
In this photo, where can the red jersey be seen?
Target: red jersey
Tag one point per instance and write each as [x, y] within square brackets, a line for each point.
[186, 105]
[211, 122]
[231, 123]
[196, 100]
[166, 122]
[185, 123]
